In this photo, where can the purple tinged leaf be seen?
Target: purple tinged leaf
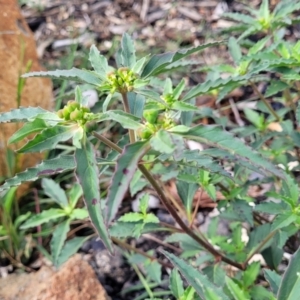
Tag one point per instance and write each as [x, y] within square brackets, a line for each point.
[87, 175]
[126, 166]
[48, 167]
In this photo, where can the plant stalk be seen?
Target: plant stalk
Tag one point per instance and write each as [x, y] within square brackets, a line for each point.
[265, 101]
[126, 108]
[171, 210]
[259, 247]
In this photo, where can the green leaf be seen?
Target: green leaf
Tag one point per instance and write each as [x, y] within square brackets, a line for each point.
[48, 167]
[219, 138]
[235, 50]
[58, 239]
[240, 18]
[250, 274]
[275, 87]
[176, 284]
[159, 63]
[70, 248]
[49, 138]
[179, 89]
[196, 279]
[273, 279]
[153, 270]
[79, 214]
[43, 217]
[283, 220]
[87, 176]
[74, 194]
[210, 85]
[28, 128]
[183, 106]
[126, 166]
[73, 74]
[21, 114]
[83, 101]
[289, 288]
[290, 190]
[271, 207]
[151, 218]
[138, 66]
[258, 46]
[162, 142]
[264, 11]
[128, 121]
[136, 104]
[131, 217]
[128, 51]
[99, 62]
[236, 292]
[55, 192]
[187, 192]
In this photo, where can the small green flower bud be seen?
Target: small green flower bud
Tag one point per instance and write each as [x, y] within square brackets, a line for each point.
[76, 115]
[60, 113]
[144, 133]
[66, 113]
[150, 115]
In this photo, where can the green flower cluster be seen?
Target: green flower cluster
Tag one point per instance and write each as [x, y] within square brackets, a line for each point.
[155, 122]
[121, 80]
[74, 112]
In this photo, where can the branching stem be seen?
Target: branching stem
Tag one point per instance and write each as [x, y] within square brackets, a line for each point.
[172, 211]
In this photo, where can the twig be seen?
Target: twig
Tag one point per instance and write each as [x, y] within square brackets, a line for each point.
[265, 101]
[196, 208]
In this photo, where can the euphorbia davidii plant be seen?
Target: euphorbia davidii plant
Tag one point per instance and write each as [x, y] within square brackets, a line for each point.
[158, 119]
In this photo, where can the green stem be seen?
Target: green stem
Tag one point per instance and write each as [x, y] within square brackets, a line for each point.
[143, 280]
[126, 108]
[171, 210]
[259, 247]
[265, 101]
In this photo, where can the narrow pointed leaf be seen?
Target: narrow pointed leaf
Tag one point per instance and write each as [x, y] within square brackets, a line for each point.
[70, 248]
[87, 175]
[239, 18]
[99, 62]
[136, 104]
[21, 114]
[196, 279]
[218, 138]
[73, 74]
[159, 63]
[236, 292]
[55, 192]
[49, 138]
[176, 284]
[128, 51]
[43, 217]
[206, 87]
[274, 280]
[53, 166]
[289, 288]
[183, 106]
[162, 142]
[28, 128]
[128, 121]
[126, 166]
[235, 50]
[59, 237]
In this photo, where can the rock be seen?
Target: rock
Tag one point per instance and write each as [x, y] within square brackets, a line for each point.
[75, 280]
[17, 49]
